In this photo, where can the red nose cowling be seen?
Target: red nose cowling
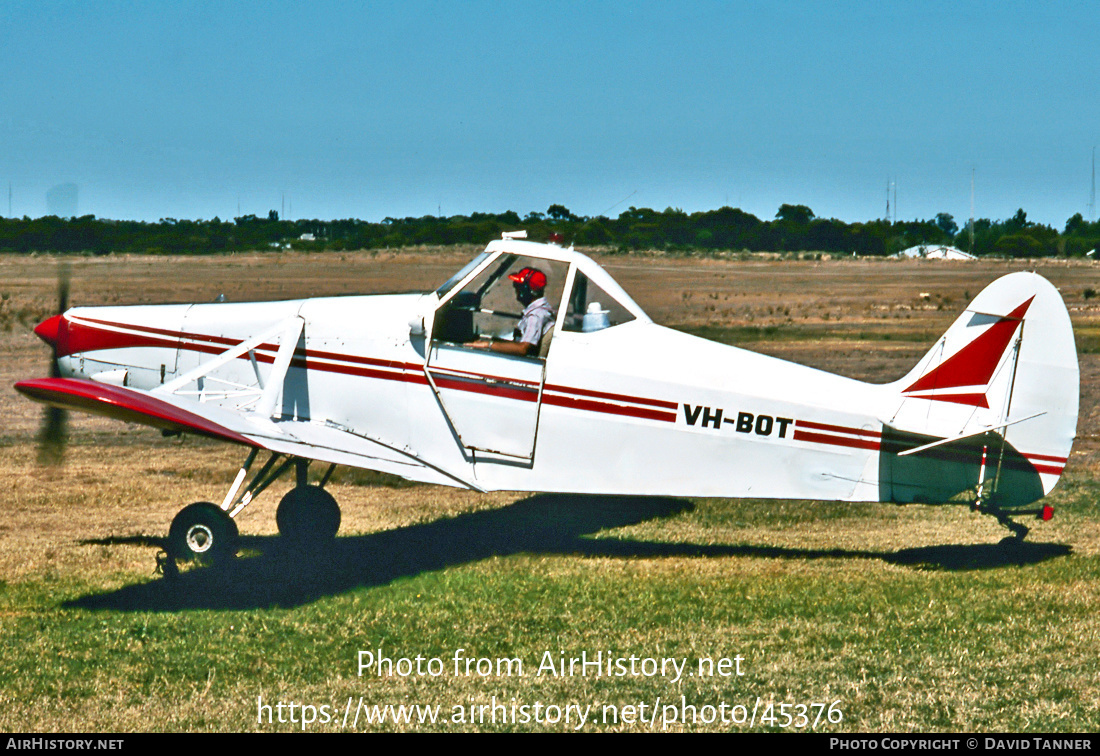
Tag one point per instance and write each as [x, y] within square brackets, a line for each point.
[50, 330]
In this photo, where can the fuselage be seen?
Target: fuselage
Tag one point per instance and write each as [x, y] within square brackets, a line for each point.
[615, 414]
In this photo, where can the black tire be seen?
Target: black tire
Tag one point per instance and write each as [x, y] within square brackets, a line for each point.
[203, 532]
[308, 517]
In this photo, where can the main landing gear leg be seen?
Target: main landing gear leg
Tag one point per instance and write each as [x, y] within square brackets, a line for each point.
[204, 532]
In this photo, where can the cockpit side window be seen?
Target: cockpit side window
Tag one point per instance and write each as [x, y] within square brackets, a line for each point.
[591, 308]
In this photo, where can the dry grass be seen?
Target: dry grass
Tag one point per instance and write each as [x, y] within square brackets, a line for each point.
[914, 618]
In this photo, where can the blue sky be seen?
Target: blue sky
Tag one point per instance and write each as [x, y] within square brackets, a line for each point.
[364, 109]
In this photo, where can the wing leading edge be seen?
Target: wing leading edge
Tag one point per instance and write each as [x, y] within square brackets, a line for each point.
[324, 443]
[124, 404]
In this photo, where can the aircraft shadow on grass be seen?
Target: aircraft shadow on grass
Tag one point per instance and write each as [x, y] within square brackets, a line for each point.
[273, 574]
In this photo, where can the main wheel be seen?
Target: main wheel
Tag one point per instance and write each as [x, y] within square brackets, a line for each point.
[308, 516]
[203, 532]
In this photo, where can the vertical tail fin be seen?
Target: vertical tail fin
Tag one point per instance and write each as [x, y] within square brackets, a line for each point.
[1003, 382]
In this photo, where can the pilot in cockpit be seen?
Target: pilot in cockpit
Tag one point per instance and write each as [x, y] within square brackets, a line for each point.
[537, 318]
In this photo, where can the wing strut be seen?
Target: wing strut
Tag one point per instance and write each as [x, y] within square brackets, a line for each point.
[287, 332]
[292, 331]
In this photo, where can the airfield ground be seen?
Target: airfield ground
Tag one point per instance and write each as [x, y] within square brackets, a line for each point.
[908, 618]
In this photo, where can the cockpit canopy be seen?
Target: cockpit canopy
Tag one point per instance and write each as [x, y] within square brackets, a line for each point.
[480, 300]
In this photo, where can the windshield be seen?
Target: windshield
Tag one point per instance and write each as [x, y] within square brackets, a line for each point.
[450, 284]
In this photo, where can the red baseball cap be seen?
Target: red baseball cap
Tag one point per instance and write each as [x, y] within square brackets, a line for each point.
[533, 277]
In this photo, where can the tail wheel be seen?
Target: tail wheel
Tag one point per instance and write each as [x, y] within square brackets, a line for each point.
[308, 516]
[203, 532]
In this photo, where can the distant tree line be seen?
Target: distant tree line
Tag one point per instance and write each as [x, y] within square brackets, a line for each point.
[794, 228]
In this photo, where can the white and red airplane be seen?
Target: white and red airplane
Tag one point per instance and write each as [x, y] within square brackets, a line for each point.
[611, 403]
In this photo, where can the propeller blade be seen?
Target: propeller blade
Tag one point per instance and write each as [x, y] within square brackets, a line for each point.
[64, 275]
[53, 435]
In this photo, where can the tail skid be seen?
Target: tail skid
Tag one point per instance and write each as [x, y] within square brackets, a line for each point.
[991, 409]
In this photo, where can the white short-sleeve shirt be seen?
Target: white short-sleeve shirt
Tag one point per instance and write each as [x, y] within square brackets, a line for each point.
[537, 319]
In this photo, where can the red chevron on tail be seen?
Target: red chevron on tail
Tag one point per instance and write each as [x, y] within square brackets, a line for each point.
[970, 368]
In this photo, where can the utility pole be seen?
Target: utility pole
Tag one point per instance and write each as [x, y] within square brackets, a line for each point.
[1092, 194]
[971, 223]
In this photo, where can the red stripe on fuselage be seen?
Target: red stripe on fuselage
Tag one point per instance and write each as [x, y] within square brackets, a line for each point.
[837, 429]
[1047, 458]
[614, 397]
[92, 339]
[78, 337]
[473, 385]
[965, 456]
[821, 438]
[609, 409]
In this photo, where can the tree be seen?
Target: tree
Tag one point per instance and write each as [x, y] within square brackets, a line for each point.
[559, 212]
[799, 214]
[1018, 245]
[1017, 222]
[946, 223]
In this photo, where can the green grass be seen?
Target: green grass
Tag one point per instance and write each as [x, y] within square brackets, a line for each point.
[1088, 340]
[912, 618]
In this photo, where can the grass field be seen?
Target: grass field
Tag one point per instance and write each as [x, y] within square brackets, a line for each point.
[887, 618]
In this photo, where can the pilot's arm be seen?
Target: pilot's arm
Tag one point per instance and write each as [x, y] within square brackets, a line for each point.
[529, 334]
[517, 348]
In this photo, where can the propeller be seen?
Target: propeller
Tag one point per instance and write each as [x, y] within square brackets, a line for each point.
[53, 434]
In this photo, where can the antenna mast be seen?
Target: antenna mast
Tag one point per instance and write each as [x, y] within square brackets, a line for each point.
[971, 223]
[1092, 194]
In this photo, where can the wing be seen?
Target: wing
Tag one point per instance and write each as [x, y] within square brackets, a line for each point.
[169, 412]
